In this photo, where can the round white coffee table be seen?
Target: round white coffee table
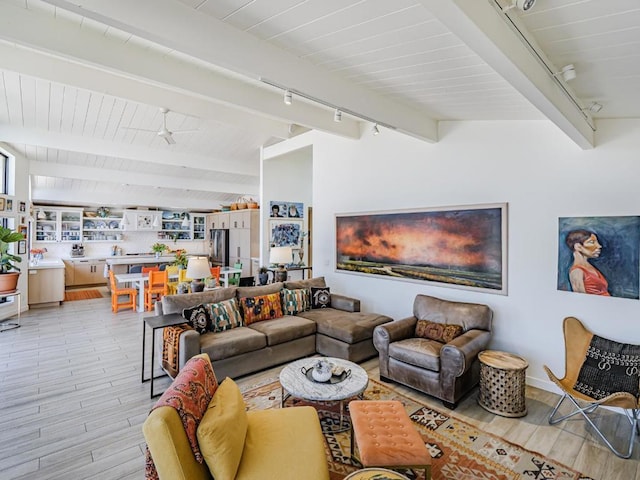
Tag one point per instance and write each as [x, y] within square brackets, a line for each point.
[295, 383]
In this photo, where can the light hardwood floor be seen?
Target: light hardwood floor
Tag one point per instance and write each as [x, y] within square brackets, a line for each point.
[72, 404]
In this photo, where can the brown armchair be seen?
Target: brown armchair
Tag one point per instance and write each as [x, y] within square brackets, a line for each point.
[445, 370]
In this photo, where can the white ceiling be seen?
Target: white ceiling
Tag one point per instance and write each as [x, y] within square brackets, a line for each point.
[75, 76]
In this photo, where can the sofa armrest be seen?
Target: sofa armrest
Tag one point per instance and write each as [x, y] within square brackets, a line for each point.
[342, 302]
[189, 346]
[387, 333]
[457, 356]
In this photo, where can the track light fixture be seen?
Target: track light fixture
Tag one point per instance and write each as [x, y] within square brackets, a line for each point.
[593, 107]
[524, 5]
[288, 97]
[337, 116]
[568, 72]
[375, 129]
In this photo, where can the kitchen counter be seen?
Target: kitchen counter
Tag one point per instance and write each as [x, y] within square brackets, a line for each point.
[142, 259]
[45, 264]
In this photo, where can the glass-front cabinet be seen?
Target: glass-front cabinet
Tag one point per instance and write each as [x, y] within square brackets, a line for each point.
[102, 228]
[199, 226]
[58, 225]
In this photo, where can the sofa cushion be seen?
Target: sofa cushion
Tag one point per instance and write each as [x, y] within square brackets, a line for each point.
[284, 329]
[177, 303]
[263, 307]
[223, 429]
[231, 342]
[244, 292]
[440, 332]
[198, 318]
[308, 283]
[224, 315]
[417, 351]
[295, 301]
[350, 327]
[320, 297]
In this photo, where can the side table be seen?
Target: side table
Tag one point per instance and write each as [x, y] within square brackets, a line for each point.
[10, 324]
[502, 383]
[154, 323]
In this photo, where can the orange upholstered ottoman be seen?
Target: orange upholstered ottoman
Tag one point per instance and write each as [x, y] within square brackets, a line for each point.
[385, 437]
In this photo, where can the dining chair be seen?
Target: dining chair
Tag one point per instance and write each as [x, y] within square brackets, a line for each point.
[172, 284]
[234, 278]
[150, 269]
[182, 276]
[215, 273]
[116, 293]
[156, 288]
[135, 269]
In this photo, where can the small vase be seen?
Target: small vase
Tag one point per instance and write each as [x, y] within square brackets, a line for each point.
[157, 255]
[321, 371]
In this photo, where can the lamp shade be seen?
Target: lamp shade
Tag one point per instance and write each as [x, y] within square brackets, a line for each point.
[280, 255]
[198, 268]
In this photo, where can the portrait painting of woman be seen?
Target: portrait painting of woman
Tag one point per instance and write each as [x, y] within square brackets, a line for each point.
[599, 256]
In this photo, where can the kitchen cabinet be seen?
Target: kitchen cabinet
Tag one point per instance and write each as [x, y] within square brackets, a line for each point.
[58, 224]
[198, 223]
[85, 272]
[220, 220]
[171, 227]
[141, 220]
[244, 238]
[95, 229]
[46, 285]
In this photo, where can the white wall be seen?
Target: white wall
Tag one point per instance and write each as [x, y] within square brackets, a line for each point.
[532, 166]
[285, 178]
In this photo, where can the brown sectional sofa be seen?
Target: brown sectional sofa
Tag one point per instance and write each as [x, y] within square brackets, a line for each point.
[338, 331]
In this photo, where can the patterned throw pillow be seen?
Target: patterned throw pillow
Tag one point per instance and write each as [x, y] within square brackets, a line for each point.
[224, 315]
[295, 301]
[440, 332]
[320, 297]
[264, 307]
[198, 318]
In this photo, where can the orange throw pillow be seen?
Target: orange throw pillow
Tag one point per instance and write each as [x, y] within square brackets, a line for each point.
[263, 307]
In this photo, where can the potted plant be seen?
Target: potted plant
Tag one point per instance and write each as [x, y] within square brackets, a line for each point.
[181, 259]
[263, 275]
[8, 277]
[159, 248]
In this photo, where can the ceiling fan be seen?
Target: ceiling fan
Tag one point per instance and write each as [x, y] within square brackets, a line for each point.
[164, 132]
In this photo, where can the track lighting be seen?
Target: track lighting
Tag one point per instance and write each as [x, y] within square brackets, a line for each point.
[337, 116]
[524, 5]
[593, 107]
[568, 72]
[287, 97]
[375, 129]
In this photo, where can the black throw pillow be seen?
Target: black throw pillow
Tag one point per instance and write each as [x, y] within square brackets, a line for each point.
[320, 297]
[198, 318]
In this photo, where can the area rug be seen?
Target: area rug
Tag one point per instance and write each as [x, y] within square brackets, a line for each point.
[459, 450]
[73, 295]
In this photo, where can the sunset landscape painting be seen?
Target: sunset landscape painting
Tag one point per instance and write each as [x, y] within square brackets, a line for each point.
[462, 247]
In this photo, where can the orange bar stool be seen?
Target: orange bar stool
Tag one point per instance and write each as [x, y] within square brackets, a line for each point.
[157, 287]
[386, 437]
[116, 293]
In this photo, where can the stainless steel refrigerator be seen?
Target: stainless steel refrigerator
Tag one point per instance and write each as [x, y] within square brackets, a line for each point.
[219, 247]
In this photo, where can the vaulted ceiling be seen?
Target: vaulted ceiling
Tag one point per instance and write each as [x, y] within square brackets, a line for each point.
[79, 78]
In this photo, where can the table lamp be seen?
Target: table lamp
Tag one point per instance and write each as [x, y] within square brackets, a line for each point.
[198, 269]
[280, 256]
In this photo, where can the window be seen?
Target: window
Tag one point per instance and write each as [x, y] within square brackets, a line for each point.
[4, 173]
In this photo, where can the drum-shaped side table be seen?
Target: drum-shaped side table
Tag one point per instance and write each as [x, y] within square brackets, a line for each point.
[502, 383]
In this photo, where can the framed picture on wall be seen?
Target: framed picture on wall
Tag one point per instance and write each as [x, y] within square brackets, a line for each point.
[9, 205]
[23, 230]
[460, 247]
[2, 203]
[22, 247]
[285, 233]
[23, 207]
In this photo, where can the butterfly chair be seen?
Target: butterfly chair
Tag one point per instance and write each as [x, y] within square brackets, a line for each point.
[234, 279]
[116, 293]
[156, 288]
[598, 372]
[172, 284]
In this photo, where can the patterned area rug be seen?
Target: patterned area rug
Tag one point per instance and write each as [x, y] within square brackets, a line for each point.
[459, 450]
[73, 295]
